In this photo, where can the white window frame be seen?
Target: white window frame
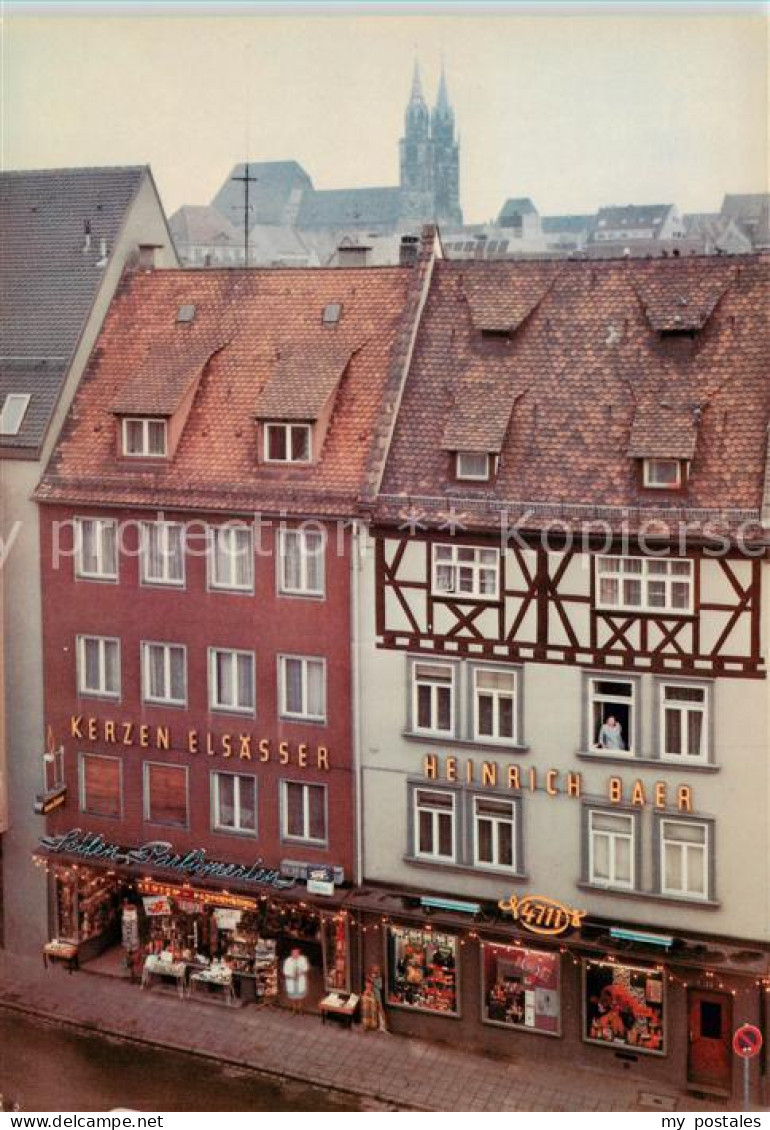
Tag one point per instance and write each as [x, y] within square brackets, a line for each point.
[305, 786]
[417, 682]
[476, 567]
[496, 739]
[230, 532]
[595, 695]
[305, 660]
[235, 656]
[471, 476]
[651, 482]
[612, 883]
[101, 573]
[288, 428]
[15, 405]
[436, 856]
[645, 577]
[496, 821]
[686, 849]
[145, 422]
[163, 530]
[685, 709]
[216, 822]
[102, 691]
[147, 697]
[301, 536]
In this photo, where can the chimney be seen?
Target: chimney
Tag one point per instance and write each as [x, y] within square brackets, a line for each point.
[353, 255]
[408, 251]
[86, 236]
[147, 255]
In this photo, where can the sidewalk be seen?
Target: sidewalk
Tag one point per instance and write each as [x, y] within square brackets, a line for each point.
[405, 1073]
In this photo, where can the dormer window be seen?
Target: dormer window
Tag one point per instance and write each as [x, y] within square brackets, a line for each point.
[145, 437]
[663, 474]
[473, 466]
[288, 443]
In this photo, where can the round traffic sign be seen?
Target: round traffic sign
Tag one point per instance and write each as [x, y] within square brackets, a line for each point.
[747, 1041]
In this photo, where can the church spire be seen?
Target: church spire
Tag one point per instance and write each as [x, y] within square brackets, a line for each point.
[417, 94]
[442, 101]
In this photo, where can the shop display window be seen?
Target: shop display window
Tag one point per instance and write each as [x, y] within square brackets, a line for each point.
[336, 952]
[522, 988]
[624, 1005]
[422, 970]
[86, 904]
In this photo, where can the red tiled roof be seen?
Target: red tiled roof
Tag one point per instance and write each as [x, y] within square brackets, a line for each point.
[215, 464]
[164, 378]
[664, 430]
[503, 308]
[479, 417]
[302, 380]
[584, 364]
[684, 298]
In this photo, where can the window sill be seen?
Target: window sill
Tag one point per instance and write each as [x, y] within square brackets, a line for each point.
[319, 597]
[240, 832]
[302, 720]
[650, 896]
[464, 743]
[648, 762]
[467, 869]
[648, 613]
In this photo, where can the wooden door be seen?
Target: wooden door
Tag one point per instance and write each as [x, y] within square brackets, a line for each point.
[710, 1059]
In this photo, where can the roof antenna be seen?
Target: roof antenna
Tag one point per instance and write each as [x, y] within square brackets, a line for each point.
[246, 180]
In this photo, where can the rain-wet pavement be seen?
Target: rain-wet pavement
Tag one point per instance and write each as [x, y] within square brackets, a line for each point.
[47, 1067]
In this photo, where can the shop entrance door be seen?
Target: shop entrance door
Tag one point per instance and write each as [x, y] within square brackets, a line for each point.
[710, 1060]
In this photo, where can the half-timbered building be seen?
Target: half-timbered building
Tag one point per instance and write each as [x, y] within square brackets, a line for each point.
[565, 787]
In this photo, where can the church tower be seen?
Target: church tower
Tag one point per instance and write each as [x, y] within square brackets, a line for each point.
[430, 158]
[446, 159]
[416, 152]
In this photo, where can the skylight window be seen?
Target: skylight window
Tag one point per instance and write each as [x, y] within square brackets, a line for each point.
[185, 313]
[13, 412]
[332, 313]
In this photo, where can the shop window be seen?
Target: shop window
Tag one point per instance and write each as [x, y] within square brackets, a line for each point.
[301, 562]
[85, 904]
[432, 698]
[144, 437]
[624, 1006]
[466, 571]
[522, 988]
[336, 952]
[494, 833]
[611, 848]
[235, 803]
[98, 661]
[165, 794]
[96, 555]
[162, 553]
[231, 558]
[644, 584]
[684, 858]
[303, 687]
[494, 705]
[434, 824]
[303, 812]
[612, 715]
[288, 443]
[422, 970]
[684, 722]
[101, 785]
[164, 674]
[231, 680]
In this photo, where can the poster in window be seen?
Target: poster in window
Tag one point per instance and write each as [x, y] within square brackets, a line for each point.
[624, 1006]
[521, 988]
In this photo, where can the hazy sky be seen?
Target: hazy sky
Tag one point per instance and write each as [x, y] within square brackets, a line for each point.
[575, 107]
